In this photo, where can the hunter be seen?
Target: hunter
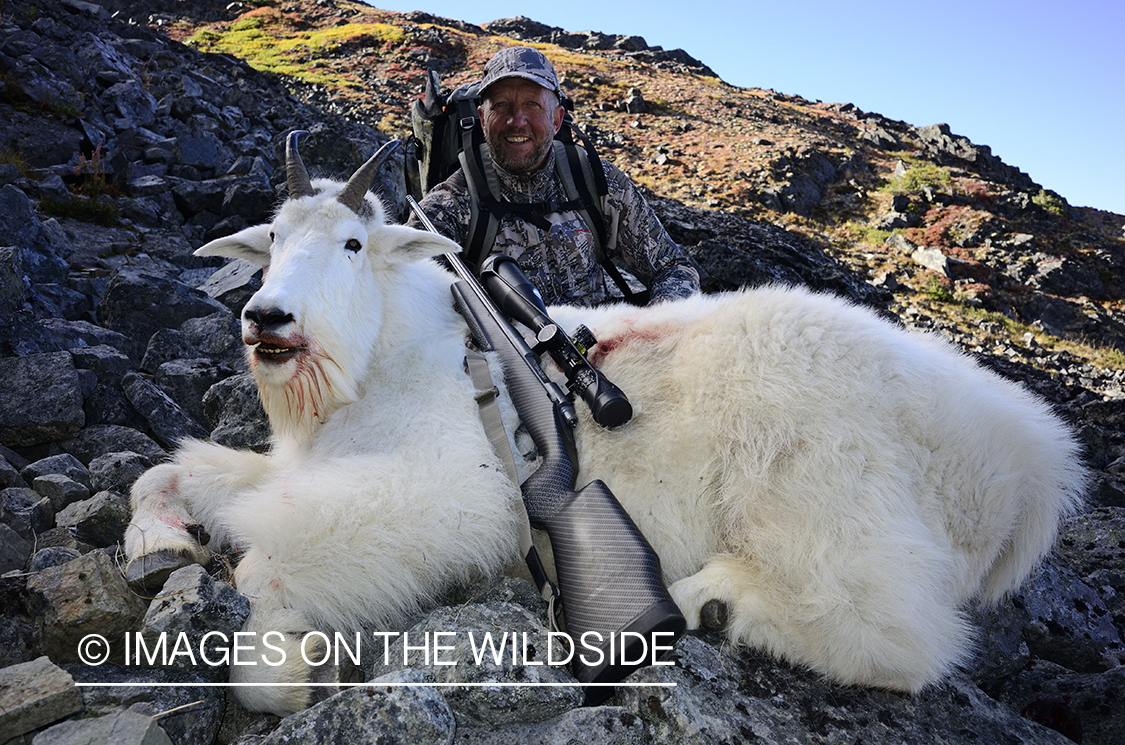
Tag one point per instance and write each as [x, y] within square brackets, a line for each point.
[520, 112]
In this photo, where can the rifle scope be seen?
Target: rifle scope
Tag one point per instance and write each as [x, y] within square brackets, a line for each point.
[513, 292]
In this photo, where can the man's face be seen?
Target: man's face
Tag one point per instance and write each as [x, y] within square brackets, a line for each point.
[520, 119]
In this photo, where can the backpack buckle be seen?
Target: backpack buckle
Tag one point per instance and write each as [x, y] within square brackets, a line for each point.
[467, 122]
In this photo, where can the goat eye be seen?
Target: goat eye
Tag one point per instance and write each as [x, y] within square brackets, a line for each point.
[272, 237]
[353, 245]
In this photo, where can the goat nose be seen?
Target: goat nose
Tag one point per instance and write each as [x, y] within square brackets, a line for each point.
[267, 319]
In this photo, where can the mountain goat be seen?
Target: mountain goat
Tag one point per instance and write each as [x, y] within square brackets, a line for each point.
[843, 485]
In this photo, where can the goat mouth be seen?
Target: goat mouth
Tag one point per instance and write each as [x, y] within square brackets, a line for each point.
[277, 355]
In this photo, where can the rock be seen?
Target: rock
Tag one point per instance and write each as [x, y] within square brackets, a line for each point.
[117, 471]
[34, 694]
[61, 490]
[740, 696]
[1063, 620]
[84, 596]
[107, 362]
[217, 338]
[932, 259]
[135, 106]
[100, 520]
[601, 725]
[12, 289]
[196, 712]
[1086, 707]
[62, 538]
[121, 728]
[109, 438]
[51, 556]
[233, 407]
[252, 201]
[71, 334]
[187, 381]
[65, 464]
[374, 713]
[9, 476]
[191, 605]
[40, 399]
[488, 631]
[1069, 277]
[14, 550]
[204, 152]
[234, 284]
[168, 422]
[137, 304]
[26, 512]
[19, 227]
[635, 102]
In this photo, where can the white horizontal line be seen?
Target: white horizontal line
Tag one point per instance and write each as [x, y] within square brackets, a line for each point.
[379, 685]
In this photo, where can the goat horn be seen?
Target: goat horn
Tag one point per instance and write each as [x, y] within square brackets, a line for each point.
[296, 175]
[352, 195]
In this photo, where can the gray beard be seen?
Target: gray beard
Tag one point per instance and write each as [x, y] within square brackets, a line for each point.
[522, 165]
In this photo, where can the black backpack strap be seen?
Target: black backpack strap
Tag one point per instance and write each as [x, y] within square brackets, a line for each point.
[484, 217]
[583, 177]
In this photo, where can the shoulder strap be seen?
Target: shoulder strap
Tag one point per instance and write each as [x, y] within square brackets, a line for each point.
[585, 161]
[486, 395]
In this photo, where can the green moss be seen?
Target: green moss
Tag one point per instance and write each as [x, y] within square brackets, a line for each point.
[937, 291]
[266, 40]
[918, 176]
[1051, 202]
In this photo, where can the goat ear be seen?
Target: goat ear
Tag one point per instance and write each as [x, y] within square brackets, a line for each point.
[251, 244]
[402, 244]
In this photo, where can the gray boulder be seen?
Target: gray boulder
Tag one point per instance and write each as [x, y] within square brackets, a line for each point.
[169, 423]
[60, 490]
[137, 304]
[100, 439]
[479, 640]
[26, 512]
[121, 728]
[117, 471]
[190, 606]
[14, 549]
[34, 694]
[100, 520]
[40, 399]
[65, 464]
[19, 227]
[188, 713]
[84, 596]
[234, 409]
[738, 696]
[390, 715]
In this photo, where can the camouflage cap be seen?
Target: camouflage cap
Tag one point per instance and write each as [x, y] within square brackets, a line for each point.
[521, 62]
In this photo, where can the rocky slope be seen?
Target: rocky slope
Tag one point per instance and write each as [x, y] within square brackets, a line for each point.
[124, 145]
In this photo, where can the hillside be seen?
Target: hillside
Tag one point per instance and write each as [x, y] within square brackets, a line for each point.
[132, 132]
[961, 237]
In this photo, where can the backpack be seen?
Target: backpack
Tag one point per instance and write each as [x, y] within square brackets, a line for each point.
[447, 135]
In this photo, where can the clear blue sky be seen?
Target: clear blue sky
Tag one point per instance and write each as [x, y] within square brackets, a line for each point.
[1040, 82]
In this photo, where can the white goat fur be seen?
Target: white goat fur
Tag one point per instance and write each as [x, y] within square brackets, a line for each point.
[843, 485]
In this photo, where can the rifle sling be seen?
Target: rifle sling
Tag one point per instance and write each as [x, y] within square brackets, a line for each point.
[489, 410]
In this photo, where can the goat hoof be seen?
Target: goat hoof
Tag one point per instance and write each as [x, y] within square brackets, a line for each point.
[713, 616]
[149, 572]
[199, 533]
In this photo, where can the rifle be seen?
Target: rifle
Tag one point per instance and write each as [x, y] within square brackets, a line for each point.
[614, 602]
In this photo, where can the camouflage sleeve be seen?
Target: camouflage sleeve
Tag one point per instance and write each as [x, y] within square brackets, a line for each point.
[641, 243]
[447, 206]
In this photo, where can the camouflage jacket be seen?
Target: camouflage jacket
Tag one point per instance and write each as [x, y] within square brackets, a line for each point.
[561, 262]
